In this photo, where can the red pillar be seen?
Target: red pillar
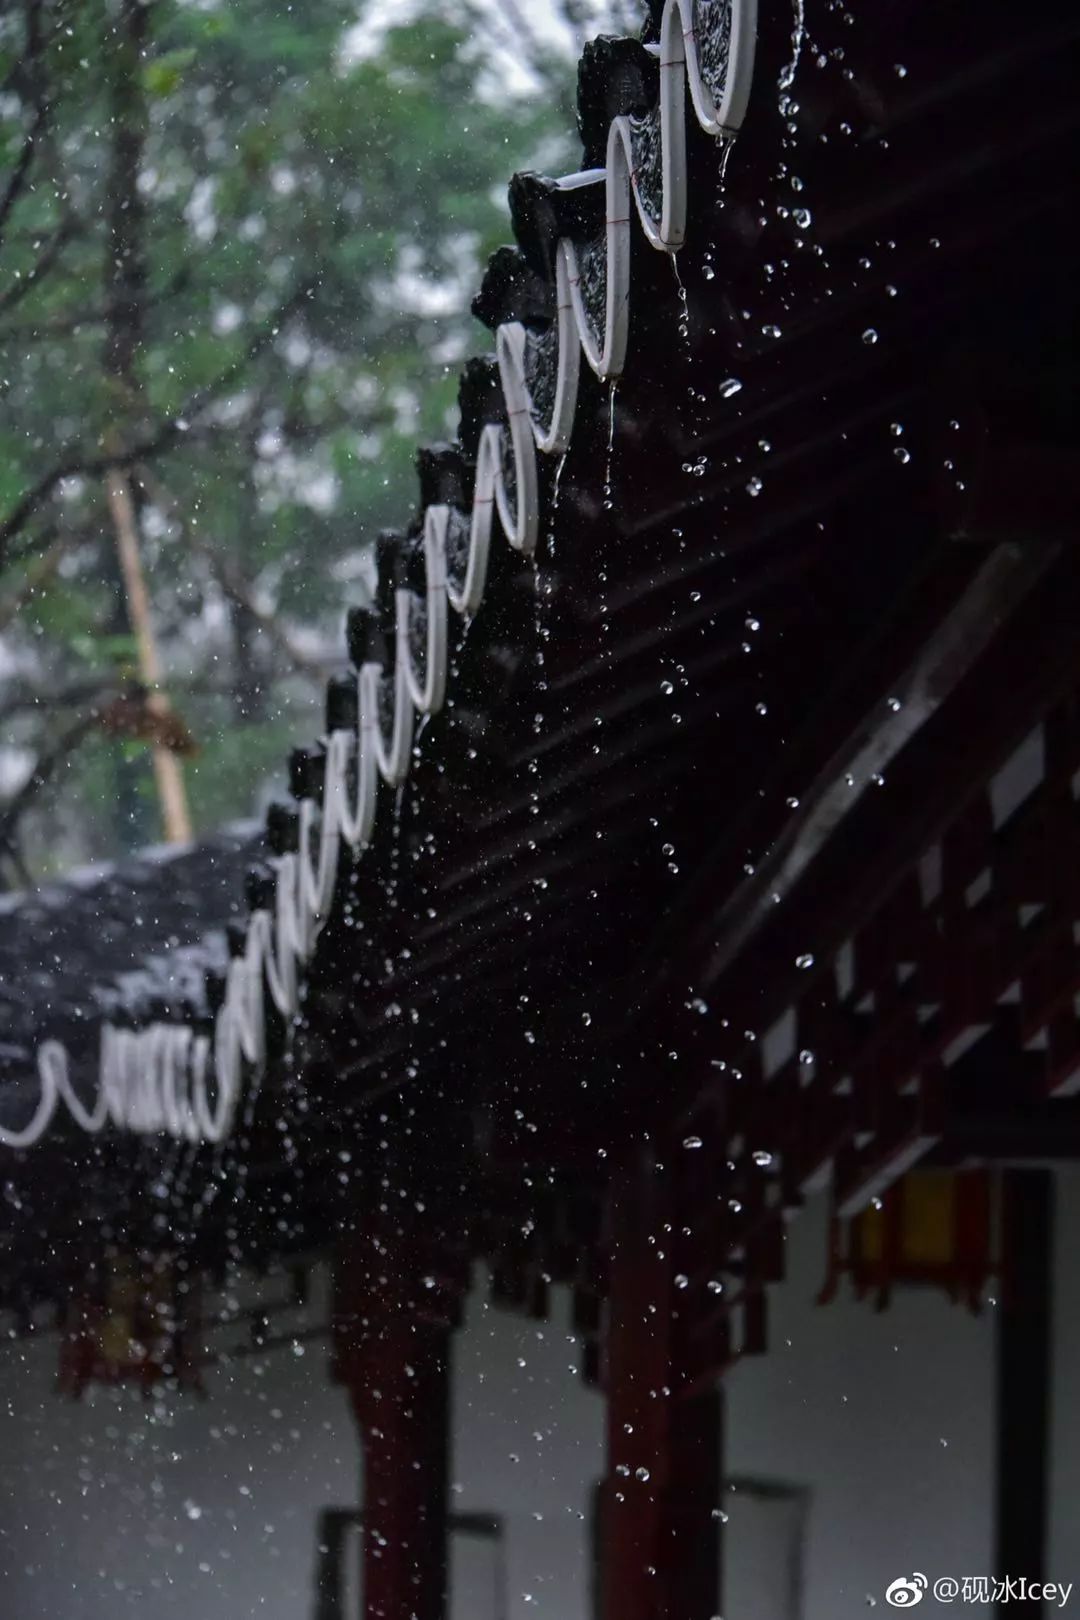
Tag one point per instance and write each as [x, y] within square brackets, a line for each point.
[661, 1552]
[392, 1352]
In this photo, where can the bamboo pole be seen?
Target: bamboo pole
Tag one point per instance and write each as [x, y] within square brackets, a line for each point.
[168, 771]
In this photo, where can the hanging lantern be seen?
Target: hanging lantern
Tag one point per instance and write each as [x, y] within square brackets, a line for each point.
[935, 1228]
[134, 1323]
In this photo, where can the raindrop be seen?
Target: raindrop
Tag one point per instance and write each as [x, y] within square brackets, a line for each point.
[806, 960]
[682, 1281]
[692, 1141]
[754, 486]
[869, 336]
[770, 331]
[902, 455]
[731, 386]
[641, 1473]
[762, 1158]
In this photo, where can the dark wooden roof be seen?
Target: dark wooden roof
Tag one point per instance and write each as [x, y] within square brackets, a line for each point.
[567, 916]
[111, 940]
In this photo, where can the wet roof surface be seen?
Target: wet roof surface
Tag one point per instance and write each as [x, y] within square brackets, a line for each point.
[110, 937]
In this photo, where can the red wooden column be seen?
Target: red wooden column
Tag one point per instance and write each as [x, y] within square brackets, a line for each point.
[393, 1321]
[660, 1550]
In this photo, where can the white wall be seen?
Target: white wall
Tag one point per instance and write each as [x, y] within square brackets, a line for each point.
[887, 1418]
[95, 1498]
[109, 1509]
[1063, 1553]
[529, 1442]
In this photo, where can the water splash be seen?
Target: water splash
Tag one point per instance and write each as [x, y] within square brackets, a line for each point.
[613, 387]
[555, 483]
[727, 144]
[798, 39]
[684, 309]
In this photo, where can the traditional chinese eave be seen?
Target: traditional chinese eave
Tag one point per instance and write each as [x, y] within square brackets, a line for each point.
[750, 541]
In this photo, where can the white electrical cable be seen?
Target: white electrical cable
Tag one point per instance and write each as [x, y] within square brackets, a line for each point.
[166, 1078]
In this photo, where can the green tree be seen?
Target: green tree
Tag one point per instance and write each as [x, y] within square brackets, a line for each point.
[238, 252]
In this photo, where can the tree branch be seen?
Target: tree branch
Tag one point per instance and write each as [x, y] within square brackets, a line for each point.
[236, 588]
[40, 572]
[80, 465]
[17, 181]
[44, 262]
[68, 741]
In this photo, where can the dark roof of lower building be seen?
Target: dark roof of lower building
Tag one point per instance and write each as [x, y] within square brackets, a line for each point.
[106, 939]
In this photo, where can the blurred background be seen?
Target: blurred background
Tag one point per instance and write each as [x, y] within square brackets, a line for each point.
[238, 244]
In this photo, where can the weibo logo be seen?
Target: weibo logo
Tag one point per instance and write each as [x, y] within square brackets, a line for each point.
[905, 1592]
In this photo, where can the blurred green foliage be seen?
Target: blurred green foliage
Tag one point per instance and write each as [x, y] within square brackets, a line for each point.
[306, 224]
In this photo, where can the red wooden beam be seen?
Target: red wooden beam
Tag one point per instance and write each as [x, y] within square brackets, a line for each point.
[661, 1557]
[393, 1318]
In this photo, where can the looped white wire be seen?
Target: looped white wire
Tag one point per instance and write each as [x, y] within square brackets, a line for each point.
[555, 438]
[680, 70]
[356, 819]
[393, 758]
[427, 696]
